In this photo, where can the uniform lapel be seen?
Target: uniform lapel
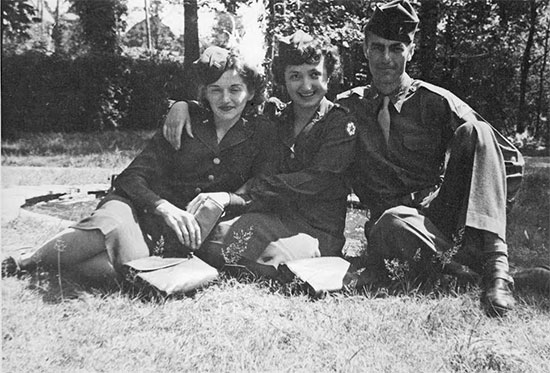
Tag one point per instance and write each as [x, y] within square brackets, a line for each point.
[205, 132]
[285, 129]
[240, 132]
[404, 92]
[324, 107]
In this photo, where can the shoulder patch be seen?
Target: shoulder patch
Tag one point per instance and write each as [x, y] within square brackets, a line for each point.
[350, 128]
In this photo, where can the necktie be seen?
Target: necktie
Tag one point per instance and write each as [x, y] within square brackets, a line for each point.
[384, 118]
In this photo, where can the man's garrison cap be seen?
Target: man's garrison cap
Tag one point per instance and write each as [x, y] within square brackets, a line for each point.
[395, 20]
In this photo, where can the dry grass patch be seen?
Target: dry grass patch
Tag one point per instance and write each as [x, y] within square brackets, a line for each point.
[234, 326]
[111, 149]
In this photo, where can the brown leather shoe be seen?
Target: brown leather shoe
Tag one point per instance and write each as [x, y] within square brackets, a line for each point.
[497, 298]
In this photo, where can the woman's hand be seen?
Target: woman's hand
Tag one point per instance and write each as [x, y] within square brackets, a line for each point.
[182, 222]
[177, 118]
[222, 198]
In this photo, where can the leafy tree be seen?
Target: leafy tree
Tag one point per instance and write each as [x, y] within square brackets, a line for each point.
[101, 20]
[525, 66]
[162, 36]
[16, 18]
[17, 27]
[491, 53]
[339, 20]
[429, 14]
[67, 36]
[478, 50]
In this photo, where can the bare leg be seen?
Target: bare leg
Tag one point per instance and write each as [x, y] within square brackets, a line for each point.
[96, 268]
[101, 243]
[68, 248]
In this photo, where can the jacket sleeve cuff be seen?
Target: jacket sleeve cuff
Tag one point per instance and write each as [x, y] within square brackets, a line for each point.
[158, 202]
[241, 200]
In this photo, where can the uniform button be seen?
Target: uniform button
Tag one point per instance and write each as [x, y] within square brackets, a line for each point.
[216, 161]
[198, 190]
[292, 156]
[210, 177]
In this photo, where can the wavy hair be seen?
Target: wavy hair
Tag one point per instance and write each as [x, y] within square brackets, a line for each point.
[251, 75]
[306, 53]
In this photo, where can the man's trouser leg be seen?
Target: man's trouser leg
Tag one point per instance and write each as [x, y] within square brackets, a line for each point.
[471, 204]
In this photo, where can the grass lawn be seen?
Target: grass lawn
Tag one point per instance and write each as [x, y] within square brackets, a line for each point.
[52, 324]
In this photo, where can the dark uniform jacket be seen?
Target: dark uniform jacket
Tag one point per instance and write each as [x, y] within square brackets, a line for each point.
[423, 120]
[200, 165]
[312, 185]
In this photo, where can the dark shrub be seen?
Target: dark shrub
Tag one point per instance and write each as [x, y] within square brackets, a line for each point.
[95, 92]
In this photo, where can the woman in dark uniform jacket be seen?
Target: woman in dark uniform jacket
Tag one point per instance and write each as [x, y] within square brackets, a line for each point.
[299, 212]
[147, 208]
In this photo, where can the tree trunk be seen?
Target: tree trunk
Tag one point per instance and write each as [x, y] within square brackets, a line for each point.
[191, 45]
[191, 32]
[541, 80]
[269, 35]
[57, 32]
[147, 25]
[429, 16]
[523, 116]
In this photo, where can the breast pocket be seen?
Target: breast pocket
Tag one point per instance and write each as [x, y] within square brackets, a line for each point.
[423, 141]
[422, 151]
[240, 161]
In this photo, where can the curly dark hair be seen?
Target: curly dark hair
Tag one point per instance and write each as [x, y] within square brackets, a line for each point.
[306, 53]
[251, 75]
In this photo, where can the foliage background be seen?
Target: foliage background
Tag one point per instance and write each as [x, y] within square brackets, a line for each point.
[491, 53]
[89, 93]
[234, 326]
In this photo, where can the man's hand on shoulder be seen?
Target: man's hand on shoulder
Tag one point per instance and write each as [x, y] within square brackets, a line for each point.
[178, 117]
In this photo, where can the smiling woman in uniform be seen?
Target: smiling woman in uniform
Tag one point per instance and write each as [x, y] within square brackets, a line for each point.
[147, 208]
[299, 212]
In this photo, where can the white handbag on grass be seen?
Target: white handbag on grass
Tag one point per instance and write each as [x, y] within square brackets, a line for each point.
[180, 275]
[173, 275]
[322, 274]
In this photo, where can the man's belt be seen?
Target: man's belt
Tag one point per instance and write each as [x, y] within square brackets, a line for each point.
[412, 199]
[416, 197]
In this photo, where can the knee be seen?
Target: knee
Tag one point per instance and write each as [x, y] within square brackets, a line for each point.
[392, 219]
[389, 226]
[474, 134]
[387, 222]
[465, 137]
[466, 130]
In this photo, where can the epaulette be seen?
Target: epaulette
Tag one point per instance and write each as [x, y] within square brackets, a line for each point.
[358, 91]
[275, 101]
[456, 104]
[342, 107]
[273, 107]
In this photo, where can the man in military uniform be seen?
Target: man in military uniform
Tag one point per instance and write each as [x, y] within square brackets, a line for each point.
[422, 201]
[429, 168]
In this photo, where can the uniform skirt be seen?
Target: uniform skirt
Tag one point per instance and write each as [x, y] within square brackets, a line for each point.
[118, 222]
[262, 241]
